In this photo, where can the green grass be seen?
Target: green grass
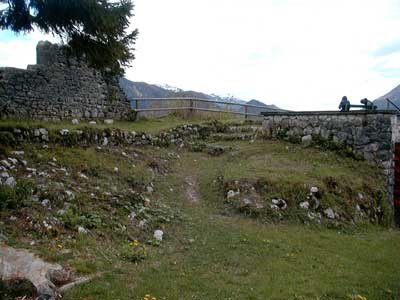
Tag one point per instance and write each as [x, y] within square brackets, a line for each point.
[142, 125]
[220, 255]
[210, 250]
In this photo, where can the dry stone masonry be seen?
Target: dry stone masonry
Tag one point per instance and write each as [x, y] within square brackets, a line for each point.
[372, 135]
[59, 87]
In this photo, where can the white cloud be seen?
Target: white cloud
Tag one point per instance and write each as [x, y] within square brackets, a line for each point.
[298, 54]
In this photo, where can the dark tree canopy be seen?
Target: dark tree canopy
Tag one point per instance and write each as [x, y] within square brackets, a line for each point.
[97, 29]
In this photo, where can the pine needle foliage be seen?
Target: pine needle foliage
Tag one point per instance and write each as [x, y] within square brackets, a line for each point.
[97, 29]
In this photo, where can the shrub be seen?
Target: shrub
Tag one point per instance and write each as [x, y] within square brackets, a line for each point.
[13, 198]
[7, 139]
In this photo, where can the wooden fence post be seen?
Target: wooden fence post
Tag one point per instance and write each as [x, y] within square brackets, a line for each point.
[245, 112]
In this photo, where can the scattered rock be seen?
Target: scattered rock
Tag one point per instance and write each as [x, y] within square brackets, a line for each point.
[329, 213]
[279, 204]
[11, 182]
[4, 175]
[132, 216]
[64, 131]
[314, 190]
[247, 201]
[314, 216]
[142, 224]
[231, 194]
[5, 164]
[92, 123]
[70, 194]
[46, 203]
[75, 121]
[82, 230]
[149, 189]
[13, 161]
[81, 175]
[18, 153]
[158, 235]
[108, 121]
[105, 141]
[305, 205]
[306, 140]
[116, 170]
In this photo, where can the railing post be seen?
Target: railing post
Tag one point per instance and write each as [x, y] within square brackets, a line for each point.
[245, 112]
[191, 110]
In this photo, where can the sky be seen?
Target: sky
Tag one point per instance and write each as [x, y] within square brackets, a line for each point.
[297, 54]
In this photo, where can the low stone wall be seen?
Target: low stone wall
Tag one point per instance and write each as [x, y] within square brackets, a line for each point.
[369, 134]
[60, 87]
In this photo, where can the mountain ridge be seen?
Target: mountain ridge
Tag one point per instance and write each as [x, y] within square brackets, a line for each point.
[393, 95]
[136, 89]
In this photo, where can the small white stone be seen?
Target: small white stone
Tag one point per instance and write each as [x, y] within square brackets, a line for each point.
[275, 201]
[305, 205]
[83, 176]
[116, 170]
[329, 213]
[18, 153]
[247, 201]
[158, 235]
[149, 189]
[75, 121]
[274, 206]
[132, 216]
[108, 121]
[82, 230]
[314, 189]
[46, 203]
[231, 194]
[92, 123]
[142, 224]
[64, 131]
[105, 141]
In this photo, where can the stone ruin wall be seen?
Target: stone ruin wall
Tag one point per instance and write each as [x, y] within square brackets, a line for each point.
[372, 135]
[60, 87]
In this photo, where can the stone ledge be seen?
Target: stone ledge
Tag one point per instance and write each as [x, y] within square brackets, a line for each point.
[329, 113]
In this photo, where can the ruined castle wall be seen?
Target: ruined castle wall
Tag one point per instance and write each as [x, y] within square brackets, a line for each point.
[370, 134]
[59, 87]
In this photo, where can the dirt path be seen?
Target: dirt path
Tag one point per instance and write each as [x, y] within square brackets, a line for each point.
[192, 189]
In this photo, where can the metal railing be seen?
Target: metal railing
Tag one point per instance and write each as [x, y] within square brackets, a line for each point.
[389, 102]
[191, 105]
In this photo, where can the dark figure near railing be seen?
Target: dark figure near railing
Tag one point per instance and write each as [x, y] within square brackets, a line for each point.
[366, 104]
[369, 105]
[344, 104]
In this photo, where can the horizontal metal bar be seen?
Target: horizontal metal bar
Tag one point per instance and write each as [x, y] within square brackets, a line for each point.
[205, 100]
[195, 108]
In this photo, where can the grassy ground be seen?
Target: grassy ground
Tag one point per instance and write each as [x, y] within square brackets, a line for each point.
[210, 250]
[142, 125]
